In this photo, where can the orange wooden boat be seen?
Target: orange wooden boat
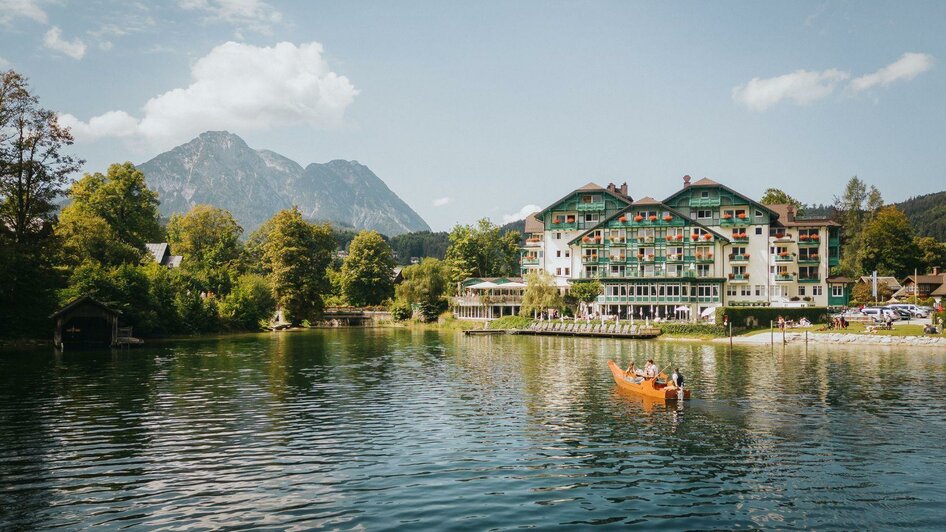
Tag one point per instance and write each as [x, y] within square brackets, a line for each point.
[648, 387]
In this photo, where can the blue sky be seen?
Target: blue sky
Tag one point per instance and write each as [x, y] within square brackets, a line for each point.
[472, 109]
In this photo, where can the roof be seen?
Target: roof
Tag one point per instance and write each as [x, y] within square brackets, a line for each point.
[646, 200]
[706, 182]
[781, 209]
[86, 299]
[926, 279]
[891, 282]
[174, 261]
[941, 291]
[533, 224]
[158, 250]
[589, 187]
[840, 279]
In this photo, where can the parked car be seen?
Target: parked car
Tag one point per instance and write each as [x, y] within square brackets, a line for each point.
[880, 314]
[915, 311]
[904, 314]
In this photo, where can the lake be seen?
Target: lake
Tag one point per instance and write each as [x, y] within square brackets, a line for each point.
[420, 429]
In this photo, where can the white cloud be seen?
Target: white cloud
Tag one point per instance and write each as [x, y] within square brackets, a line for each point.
[237, 87]
[526, 210]
[54, 41]
[802, 87]
[440, 202]
[4, 63]
[909, 66]
[254, 15]
[13, 9]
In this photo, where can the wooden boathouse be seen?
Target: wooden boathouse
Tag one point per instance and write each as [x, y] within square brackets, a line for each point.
[85, 322]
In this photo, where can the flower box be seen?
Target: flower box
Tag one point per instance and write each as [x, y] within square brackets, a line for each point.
[803, 238]
[679, 237]
[744, 235]
[742, 216]
[745, 255]
[727, 216]
[815, 236]
[699, 255]
[779, 235]
[783, 254]
[650, 256]
[694, 237]
[640, 256]
[586, 239]
[667, 218]
[669, 238]
[571, 219]
[707, 236]
[652, 218]
[709, 255]
[732, 276]
[638, 218]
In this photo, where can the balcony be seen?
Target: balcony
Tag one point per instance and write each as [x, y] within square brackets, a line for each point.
[533, 242]
[675, 257]
[782, 237]
[808, 241]
[735, 221]
[738, 257]
[704, 202]
[810, 259]
[593, 206]
[589, 259]
[741, 237]
[564, 225]
[527, 261]
[785, 277]
[739, 277]
[587, 241]
[700, 258]
[787, 257]
[809, 279]
[617, 259]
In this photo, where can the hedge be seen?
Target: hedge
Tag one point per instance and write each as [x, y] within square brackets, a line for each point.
[511, 322]
[693, 329]
[761, 316]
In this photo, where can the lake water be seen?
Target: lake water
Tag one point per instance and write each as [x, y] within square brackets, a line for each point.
[407, 429]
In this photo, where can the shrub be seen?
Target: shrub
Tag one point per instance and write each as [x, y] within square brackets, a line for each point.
[701, 329]
[400, 310]
[510, 322]
[761, 316]
[249, 303]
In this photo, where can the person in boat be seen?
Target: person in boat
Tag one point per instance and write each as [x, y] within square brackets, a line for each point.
[635, 373]
[650, 369]
[677, 378]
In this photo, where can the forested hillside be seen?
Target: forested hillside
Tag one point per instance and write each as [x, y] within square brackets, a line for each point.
[928, 214]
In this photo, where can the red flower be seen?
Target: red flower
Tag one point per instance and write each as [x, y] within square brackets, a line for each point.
[727, 216]
[742, 216]
[667, 218]
[679, 237]
[652, 218]
[622, 219]
[707, 236]
[638, 218]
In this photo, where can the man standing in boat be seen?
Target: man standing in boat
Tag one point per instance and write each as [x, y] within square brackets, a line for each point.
[650, 369]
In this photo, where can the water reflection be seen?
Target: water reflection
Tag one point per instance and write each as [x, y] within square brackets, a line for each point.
[412, 428]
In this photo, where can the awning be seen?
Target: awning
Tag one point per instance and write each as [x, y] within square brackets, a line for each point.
[511, 284]
[483, 285]
[708, 312]
[681, 308]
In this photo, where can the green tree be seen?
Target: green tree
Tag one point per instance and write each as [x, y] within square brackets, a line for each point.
[775, 196]
[426, 285]
[862, 293]
[249, 303]
[541, 294]
[33, 169]
[585, 291]
[33, 172]
[367, 274]
[298, 253]
[482, 251]
[86, 236]
[888, 244]
[209, 239]
[123, 200]
[932, 253]
[850, 212]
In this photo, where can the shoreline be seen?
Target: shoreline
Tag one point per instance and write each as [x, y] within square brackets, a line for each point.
[827, 338]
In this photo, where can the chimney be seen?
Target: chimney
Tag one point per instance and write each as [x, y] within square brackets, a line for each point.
[624, 189]
[611, 188]
[935, 270]
[790, 213]
[686, 181]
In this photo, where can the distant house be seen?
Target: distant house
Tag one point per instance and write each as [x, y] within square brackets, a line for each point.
[839, 291]
[162, 255]
[923, 286]
[892, 283]
[397, 275]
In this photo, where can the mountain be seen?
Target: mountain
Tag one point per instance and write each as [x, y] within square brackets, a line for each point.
[219, 168]
[927, 213]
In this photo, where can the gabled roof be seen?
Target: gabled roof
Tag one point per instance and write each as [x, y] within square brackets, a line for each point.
[603, 223]
[891, 282]
[86, 299]
[941, 291]
[926, 279]
[706, 182]
[158, 250]
[840, 279]
[589, 187]
[533, 224]
[781, 210]
[646, 200]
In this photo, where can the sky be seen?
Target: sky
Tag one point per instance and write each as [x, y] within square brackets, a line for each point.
[493, 109]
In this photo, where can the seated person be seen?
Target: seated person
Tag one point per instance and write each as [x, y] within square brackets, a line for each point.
[650, 370]
[676, 380]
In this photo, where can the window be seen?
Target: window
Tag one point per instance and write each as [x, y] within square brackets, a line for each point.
[558, 236]
[558, 271]
[558, 253]
[591, 217]
[702, 270]
[837, 290]
[801, 290]
[731, 290]
[704, 194]
[816, 290]
[704, 213]
[568, 271]
[746, 290]
[758, 230]
[568, 253]
[760, 290]
[758, 214]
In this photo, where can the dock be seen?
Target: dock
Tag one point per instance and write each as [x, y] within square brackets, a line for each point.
[593, 330]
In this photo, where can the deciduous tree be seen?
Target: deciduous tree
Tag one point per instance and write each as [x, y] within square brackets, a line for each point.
[775, 196]
[367, 273]
[481, 251]
[541, 294]
[888, 245]
[209, 239]
[425, 284]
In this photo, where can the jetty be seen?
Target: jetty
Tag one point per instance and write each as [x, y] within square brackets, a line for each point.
[555, 328]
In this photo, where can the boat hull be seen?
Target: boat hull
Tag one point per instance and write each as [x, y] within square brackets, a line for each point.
[647, 388]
